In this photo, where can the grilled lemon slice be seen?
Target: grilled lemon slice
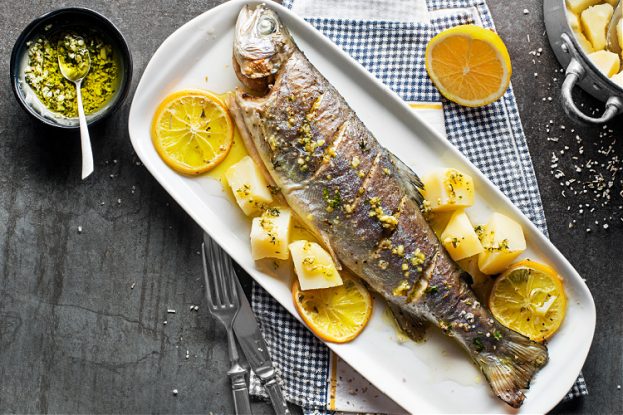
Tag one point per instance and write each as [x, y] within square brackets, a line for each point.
[336, 314]
[529, 298]
[192, 131]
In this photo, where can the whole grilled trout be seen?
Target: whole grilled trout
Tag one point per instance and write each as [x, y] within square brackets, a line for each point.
[362, 201]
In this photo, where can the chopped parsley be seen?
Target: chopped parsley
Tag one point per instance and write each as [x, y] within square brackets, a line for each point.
[273, 211]
[274, 190]
[479, 344]
[431, 289]
[333, 201]
[455, 242]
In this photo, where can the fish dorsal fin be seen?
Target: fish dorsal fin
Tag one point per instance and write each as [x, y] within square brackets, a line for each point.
[409, 179]
[325, 241]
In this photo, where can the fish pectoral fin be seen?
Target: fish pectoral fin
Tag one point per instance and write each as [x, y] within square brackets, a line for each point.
[237, 114]
[325, 241]
[413, 326]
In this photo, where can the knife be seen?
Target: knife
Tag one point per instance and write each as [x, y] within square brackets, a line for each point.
[256, 352]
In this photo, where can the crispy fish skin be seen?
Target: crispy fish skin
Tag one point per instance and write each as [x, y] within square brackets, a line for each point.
[364, 203]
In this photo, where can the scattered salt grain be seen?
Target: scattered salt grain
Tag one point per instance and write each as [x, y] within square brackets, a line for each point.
[79, 229]
[526, 11]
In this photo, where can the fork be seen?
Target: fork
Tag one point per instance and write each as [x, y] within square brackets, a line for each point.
[223, 304]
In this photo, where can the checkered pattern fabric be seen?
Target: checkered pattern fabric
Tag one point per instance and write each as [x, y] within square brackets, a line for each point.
[301, 360]
[491, 137]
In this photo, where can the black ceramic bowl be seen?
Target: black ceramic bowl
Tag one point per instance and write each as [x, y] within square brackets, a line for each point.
[71, 18]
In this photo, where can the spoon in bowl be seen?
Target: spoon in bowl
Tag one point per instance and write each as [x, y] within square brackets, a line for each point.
[612, 40]
[74, 62]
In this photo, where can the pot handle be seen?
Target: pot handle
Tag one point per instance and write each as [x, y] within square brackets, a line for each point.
[574, 73]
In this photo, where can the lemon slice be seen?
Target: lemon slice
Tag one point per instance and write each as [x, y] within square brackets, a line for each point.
[469, 65]
[192, 131]
[336, 314]
[529, 298]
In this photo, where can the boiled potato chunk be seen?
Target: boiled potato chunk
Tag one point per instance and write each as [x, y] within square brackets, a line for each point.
[584, 43]
[613, 3]
[619, 28]
[448, 189]
[607, 62]
[577, 6]
[594, 21]
[503, 241]
[459, 237]
[270, 234]
[574, 22]
[314, 266]
[618, 79]
[438, 222]
[248, 186]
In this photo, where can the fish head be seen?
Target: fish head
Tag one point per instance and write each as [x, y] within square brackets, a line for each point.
[262, 44]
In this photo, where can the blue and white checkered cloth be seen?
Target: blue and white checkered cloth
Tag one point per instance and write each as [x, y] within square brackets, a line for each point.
[491, 137]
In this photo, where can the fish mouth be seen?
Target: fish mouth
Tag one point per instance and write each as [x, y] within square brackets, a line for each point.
[253, 51]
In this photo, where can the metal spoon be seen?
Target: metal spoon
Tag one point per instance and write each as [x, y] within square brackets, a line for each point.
[612, 41]
[74, 62]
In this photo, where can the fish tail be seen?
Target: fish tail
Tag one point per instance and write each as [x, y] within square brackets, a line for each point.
[511, 368]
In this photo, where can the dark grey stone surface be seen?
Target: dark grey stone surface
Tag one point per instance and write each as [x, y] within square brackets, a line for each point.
[76, 337]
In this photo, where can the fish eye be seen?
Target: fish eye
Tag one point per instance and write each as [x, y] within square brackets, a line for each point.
[267, 26]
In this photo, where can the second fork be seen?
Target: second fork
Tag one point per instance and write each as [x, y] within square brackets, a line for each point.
[223, 304]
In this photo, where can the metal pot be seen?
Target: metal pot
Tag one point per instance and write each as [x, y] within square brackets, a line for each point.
[580, 69]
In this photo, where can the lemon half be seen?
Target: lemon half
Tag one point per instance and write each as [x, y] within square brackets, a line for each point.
[469, 65]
